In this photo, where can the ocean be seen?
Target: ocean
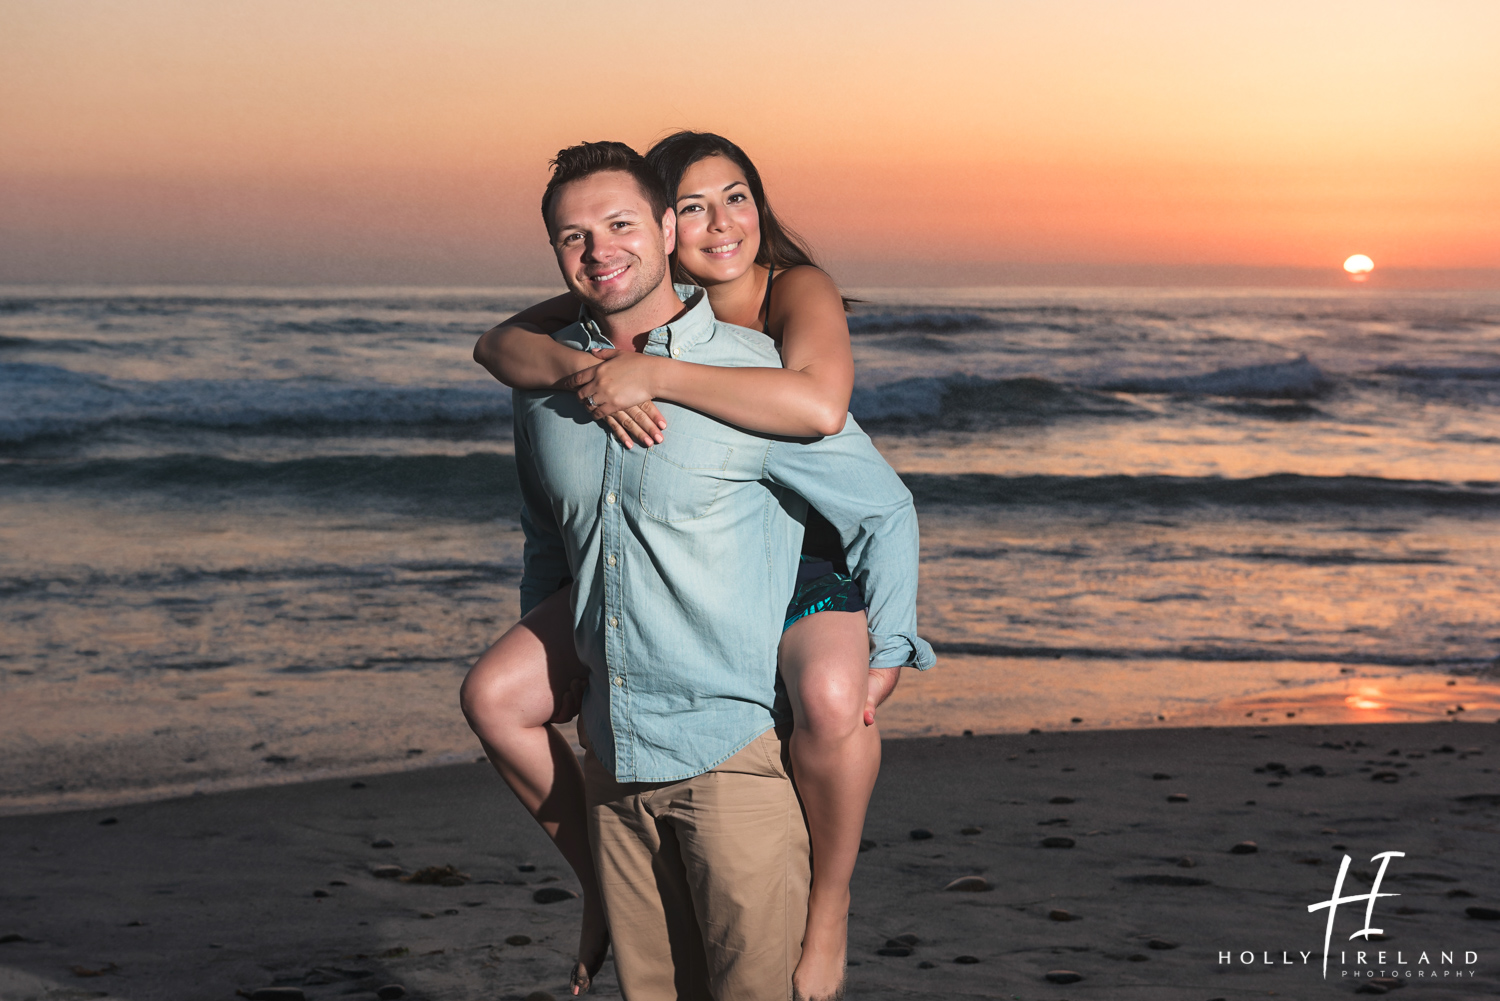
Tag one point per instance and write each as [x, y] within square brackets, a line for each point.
[251, 536]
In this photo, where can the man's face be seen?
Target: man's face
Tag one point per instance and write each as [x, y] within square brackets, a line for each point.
[611, 249]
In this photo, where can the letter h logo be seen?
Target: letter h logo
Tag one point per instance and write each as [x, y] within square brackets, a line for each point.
[1333, 904]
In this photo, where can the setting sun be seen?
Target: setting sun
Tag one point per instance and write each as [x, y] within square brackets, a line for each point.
[1359, 264]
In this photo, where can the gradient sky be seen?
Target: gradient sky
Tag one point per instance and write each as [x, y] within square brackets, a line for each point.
[369, 140]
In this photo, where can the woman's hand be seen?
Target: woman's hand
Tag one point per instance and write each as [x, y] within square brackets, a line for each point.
[619, 392]
[882, 682]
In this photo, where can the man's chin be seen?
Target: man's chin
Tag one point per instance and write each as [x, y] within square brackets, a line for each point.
[609, 303]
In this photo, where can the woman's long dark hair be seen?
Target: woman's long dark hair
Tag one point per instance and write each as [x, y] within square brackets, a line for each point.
[780, 248]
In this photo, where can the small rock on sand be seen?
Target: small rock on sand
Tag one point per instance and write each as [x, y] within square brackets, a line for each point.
[1058, 914]
[1177, 797]
[1483, 913]
[967, 830]
[553, 895]
[539, 996]
[525, 867]
[107, 821]
[920, 834]
[1387, 777]
[386, 871]
[518, 940]
[382, 843]
[390, 992]
[893, 950]
[277, 994]
[1060, 800]
[1245, 848]
[969, 884]
[926, 965]
[1058, 842]
[865, 844]
[966, 960]
[1160, 943]
[1160, 776]
[10, 937]
[1064, 976]
[321, 893]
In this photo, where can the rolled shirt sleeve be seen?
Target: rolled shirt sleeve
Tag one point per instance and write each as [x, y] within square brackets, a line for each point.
[845, 477]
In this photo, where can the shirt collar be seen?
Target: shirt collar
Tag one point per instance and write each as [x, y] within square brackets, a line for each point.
[694, 326]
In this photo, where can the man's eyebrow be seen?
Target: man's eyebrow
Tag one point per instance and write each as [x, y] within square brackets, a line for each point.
[726, 187]
[564, 226]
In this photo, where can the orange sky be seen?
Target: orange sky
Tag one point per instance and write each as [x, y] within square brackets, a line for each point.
[368, 140]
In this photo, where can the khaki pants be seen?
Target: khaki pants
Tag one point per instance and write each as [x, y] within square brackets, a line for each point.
[704, 880]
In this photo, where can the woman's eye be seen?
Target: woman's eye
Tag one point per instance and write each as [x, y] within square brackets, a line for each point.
[736, 198]
[689, 208]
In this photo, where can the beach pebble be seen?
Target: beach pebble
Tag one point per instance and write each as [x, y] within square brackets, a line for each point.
[1177, 797]
[518, 940]
[1064, 976]
[426, 915]
[865, 844]
[10, 937]
[1077, 719]
[1137, 957]
[357, 785]
[893, 950]
[969, 884]
[108, 821]
[1160, 776]
[390, 992]
[525, 867]
[1058, 842]
[1034, 730]
[1058, 914]
[337, 882]
[1160, 943]
[926, 965]
[382, 843]
[1245, 848]
[386, 871]
[553, 895]
[966, 960]
[970, 830]
[1186, 863]
[1317, 771]
[1060, 800]
[968, 733]
[321, 893]
[277, 994]
[920, 834]
[1387, 777]
[539, 996]
[1483, 913]
[1458, 893]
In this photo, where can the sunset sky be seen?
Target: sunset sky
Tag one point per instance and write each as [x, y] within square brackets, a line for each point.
[953, 140]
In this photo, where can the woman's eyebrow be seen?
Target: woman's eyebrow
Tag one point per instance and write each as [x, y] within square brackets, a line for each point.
[731, 184]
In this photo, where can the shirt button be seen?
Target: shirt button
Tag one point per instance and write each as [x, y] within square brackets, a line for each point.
[619, 681]
[609, 498]
[677, 352]
[613, 622]
[611, 560]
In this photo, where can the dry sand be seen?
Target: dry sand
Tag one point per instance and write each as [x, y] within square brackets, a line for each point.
[200, 897]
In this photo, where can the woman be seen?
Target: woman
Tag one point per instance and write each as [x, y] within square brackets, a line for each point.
[756, 275]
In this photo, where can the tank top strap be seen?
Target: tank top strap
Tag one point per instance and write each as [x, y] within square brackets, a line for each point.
[766, 305]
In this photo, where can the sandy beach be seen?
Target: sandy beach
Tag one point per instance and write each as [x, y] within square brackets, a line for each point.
[1110, 855]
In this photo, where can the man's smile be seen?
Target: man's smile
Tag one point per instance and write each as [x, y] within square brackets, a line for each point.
[609, 275]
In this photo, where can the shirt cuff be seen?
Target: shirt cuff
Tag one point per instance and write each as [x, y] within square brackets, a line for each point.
[901, 650]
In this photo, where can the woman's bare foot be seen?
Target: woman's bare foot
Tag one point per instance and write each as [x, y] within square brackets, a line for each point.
[593, 945]
[820, 973]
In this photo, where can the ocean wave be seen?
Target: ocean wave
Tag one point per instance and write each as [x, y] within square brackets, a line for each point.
[480, 485]
[1205, 653]
[1280, 491]
[959, 399]
[47, 402]
[931, 322]
[1478, 373]
[1298, 379]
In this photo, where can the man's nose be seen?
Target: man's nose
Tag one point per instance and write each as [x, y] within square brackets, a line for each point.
[597, 247]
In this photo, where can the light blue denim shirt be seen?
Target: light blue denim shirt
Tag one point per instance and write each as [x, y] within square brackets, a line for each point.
[684, 555]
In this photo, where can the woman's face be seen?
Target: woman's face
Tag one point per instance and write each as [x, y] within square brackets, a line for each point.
[718, 227]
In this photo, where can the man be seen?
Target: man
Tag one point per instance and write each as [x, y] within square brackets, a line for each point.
[682, 558]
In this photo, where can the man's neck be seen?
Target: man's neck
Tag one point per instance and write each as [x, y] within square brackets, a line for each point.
[627, 328]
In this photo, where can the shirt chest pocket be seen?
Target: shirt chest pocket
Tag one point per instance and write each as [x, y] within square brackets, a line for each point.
[682, 477]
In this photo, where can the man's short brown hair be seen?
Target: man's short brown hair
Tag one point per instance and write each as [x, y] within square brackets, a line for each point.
[580, 161]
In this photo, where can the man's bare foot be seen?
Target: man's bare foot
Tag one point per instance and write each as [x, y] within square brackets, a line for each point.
[593, 946]
[820, 973]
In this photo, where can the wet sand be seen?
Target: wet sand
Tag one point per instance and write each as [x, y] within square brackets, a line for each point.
[203, 896]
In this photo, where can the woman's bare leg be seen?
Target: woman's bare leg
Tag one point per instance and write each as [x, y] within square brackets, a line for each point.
[509, 698]
[825, 661]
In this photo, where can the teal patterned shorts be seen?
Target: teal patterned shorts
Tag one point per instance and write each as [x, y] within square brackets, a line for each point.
[821, 588]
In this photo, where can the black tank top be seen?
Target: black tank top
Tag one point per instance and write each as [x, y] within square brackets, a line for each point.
[820, 540]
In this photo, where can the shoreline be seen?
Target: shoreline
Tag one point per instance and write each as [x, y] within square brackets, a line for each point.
[276, 886]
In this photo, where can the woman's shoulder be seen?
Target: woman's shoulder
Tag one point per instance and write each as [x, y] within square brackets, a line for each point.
[804, 280]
